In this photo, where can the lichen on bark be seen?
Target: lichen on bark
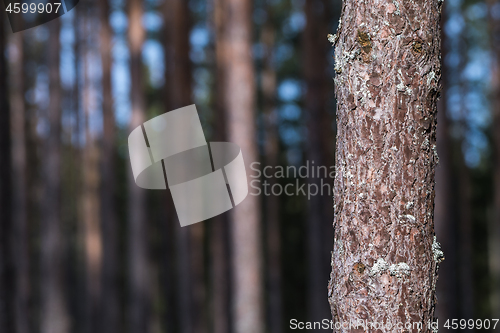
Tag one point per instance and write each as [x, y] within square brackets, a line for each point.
[387, 83]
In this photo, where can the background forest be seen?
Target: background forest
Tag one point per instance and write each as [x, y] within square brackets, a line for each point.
[82, 249]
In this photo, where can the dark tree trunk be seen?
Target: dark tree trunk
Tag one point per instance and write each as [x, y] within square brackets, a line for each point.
[219, 234]
[445, 206]
[90, 177]
[138, 267]
[189, 240]
[239, 97]
[385, 258]
[495, 222]
[109, 273]
[54, 316]
[271, 151]
[7, 268]
[318, 151]
[19, 237]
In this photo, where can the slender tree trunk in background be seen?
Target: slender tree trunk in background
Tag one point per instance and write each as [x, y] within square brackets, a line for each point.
[219, 233]
[318, 124]
[445, 216]
[139, 294]
[494, 231]
[384, 262]
[7, 269]
[109, 273]
[190, 240]
[465, 249]
[239, 95]
[169, 223]
[20, 229]
[54, 316]
[91, 179]
[271, 148]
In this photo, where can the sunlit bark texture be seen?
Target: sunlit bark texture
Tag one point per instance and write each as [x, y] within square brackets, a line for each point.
[384, 263]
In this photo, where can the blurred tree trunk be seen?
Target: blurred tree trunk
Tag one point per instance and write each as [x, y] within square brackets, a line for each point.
[169, 222]
[109, 273]
[219, 234]
[271, 150]
[494, 231]
[91, 179]
[54, 316]
[189, 240]
[318, 151]
[7, 268]
[19, 197]
[385, 258]
[465, 251]
[139, 293]
[239, 95]
[445, 216]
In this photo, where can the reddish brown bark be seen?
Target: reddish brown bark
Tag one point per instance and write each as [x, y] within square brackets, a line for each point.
[385, 259]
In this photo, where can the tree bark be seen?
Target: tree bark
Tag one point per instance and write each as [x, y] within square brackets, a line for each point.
[191, 293]
[91, 178]
[219, 234]
[109, 230]
[271, 151]
[245, 218]
[139, 293]
[19, 237]
[318, 127]
[385, 257]
[7, 269]
[54, 316]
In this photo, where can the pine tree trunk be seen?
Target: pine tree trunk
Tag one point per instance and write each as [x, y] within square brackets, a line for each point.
[318, 124]
[91, 178]
[109, 229]
[19, 169]
[219, 234]
[191, 291]
[445, 215]
[384, 263]
[271, 150]
[54, 316]
[139, 293]
[239, 95]
[7, 269]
